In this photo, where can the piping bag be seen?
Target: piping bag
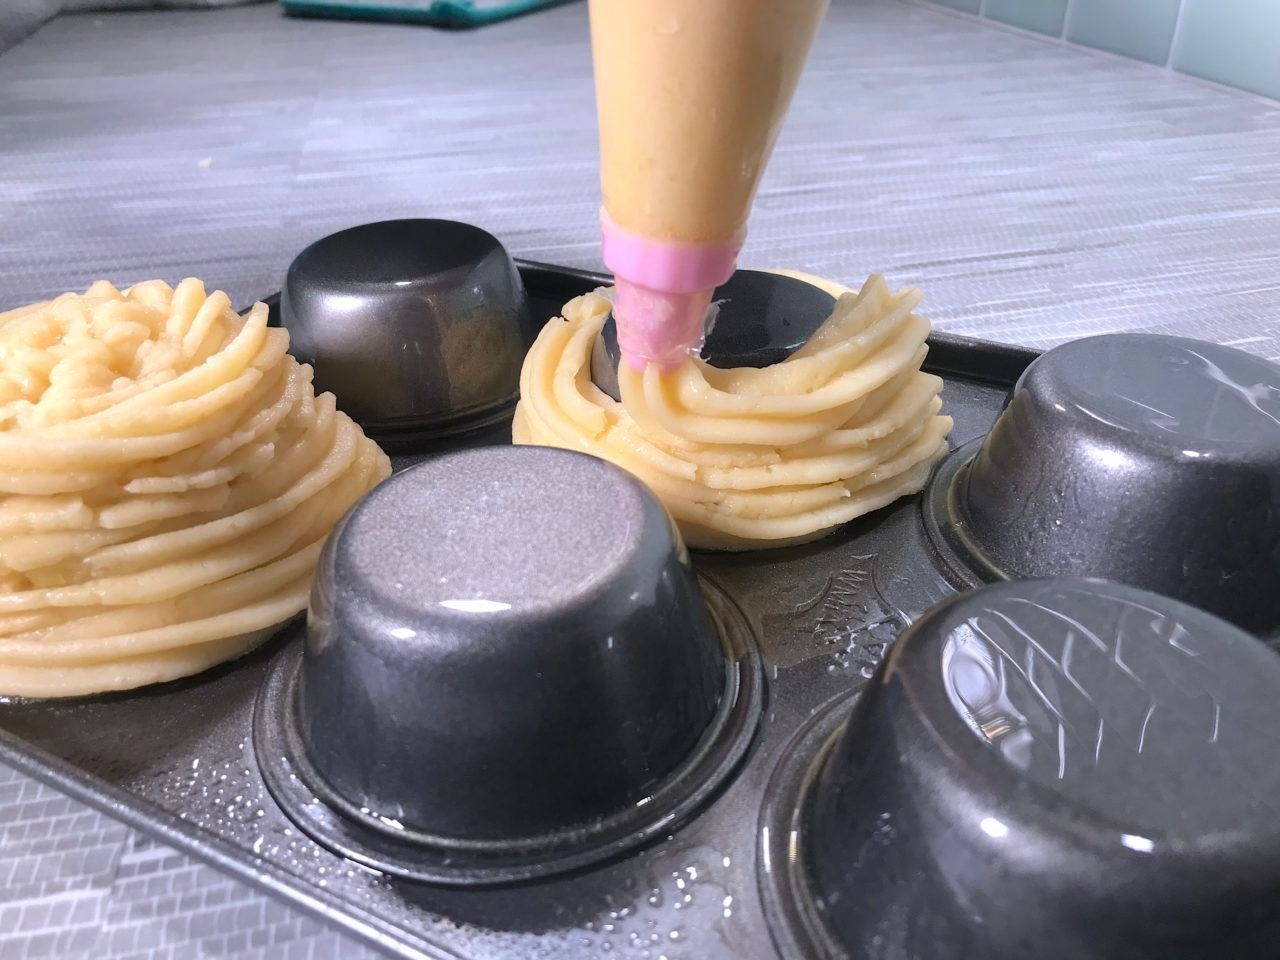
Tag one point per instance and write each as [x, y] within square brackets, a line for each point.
[690, 96]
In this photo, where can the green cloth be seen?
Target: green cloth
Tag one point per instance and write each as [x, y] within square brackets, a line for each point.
[440, 13]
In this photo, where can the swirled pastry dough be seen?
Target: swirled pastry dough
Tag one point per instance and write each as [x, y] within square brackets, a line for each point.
[749, 458]
[167, 477]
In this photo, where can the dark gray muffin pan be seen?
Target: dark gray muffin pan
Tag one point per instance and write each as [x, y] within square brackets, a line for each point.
[521, 721]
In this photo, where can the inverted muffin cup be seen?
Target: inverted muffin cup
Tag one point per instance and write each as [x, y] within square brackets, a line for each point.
[1149, 460]
[510, 669]
[419, 327]
[1051, 768]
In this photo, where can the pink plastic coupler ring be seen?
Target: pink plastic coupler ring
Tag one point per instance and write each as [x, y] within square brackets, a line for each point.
[663, 290]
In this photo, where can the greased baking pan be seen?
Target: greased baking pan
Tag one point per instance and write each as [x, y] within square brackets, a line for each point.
[731, 877]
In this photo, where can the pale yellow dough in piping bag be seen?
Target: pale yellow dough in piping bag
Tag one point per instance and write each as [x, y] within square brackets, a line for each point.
[167, 478]
[749, 458]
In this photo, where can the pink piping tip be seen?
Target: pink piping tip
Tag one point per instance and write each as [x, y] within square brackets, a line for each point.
[663, 291]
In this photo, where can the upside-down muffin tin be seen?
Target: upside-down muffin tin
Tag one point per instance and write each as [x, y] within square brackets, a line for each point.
[1031, 711]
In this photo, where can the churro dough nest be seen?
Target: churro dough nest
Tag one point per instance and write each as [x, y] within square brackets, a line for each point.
[750, 458]
[167, 478]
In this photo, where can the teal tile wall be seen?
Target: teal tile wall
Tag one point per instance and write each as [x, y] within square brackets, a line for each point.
[1236, 42]
[1232, 42]
[1042, 16]
[1142, 29]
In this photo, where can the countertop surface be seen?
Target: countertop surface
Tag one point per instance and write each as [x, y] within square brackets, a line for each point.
[1036, 192]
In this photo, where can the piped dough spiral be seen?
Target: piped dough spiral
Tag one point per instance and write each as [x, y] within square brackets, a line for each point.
[167, 478]
[750, 458]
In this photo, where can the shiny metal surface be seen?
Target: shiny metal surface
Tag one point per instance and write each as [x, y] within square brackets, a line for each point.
[827, 614]
[1149, 460]
[1056, 768]
[509, 664]
[418, 326]
[824, 615]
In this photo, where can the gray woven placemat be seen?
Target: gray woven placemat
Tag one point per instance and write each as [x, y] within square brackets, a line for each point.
[1036, 192]
[20, 18]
